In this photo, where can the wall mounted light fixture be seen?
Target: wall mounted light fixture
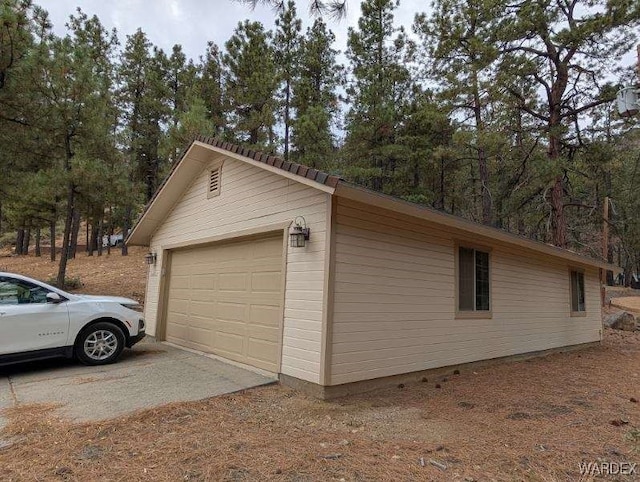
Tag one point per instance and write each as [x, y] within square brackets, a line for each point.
[151, 258]
[298, 233]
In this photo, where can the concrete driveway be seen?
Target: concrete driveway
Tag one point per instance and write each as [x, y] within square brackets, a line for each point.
[149, 375]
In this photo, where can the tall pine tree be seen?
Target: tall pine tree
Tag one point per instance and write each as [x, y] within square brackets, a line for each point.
[378, 95]
[250, 85]
[315, 98]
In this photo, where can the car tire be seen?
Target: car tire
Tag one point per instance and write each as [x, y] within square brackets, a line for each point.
[99, 344]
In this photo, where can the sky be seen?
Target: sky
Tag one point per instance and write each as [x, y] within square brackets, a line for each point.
[192, 23]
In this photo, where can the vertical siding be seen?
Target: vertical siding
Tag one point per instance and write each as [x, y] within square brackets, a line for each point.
[250, 198]
[394, 309]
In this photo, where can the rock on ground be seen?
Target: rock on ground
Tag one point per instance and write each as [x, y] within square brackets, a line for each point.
[622, 321]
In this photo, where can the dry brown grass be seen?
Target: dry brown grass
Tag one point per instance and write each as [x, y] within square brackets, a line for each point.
[530, 420]
[112, 274]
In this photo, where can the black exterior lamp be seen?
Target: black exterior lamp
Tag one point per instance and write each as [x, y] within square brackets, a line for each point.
[298, 233]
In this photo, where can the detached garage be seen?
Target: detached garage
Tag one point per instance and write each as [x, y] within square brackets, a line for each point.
[337, 288]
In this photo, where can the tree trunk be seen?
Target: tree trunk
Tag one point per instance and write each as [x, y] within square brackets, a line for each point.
[558, 220]
[26, 241]
[87, 239]
[125, 230]
[110, 233]
[52, 235]
[73, 246]
[483, 168]
[440, 201]
[483, 171]
[19, 241]
[100, 233]
[287, 102]
[68, 222]
[38, 251]
[93, 239]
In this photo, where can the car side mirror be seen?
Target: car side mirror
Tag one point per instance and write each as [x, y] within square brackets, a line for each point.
[54, 298]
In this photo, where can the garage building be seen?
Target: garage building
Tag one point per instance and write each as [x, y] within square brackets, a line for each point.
[381, 290]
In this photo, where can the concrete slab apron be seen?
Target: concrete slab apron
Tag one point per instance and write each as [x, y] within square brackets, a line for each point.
[164, 376]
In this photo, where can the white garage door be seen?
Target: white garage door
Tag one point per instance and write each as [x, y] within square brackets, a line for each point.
[227, 299]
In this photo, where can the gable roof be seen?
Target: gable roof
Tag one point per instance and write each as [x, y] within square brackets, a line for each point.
[203, 150]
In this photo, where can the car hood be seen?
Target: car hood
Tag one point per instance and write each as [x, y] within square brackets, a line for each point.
[112, 299]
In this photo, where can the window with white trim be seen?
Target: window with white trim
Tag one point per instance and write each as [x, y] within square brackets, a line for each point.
[577, 291]
[474, 290]
[214, 182]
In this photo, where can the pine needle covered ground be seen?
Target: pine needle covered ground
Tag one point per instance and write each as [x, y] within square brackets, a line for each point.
[529, 420]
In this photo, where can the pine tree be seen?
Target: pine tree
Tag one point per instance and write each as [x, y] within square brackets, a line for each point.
[378, 94]
[144, 96]
[460, 50]
[565, 49]
[315, 98]
[287, 52]
[251, 82]
[74, 74]
[209, 86]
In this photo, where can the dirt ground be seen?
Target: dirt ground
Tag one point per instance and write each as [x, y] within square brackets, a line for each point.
[531, 420]
[113, 274]
[534, 420]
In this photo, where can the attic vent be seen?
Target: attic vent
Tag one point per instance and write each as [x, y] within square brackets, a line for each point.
[214, 183]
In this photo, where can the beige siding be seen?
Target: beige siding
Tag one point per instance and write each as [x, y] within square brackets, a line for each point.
[252, 198]
[394, 308]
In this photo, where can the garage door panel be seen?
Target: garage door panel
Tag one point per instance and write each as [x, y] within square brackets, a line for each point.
[227, 299]
[231, 327]
[265, 315]
[230, 343]
[202, 308]
[201, 322]
[233, 281]
[263, 351]
[231, 311]
[201, 336]
[179, 293]
[202, 296]
[264, 333]
[179, 306]
[179, 281]
[177, 331]
[269, 281]
[206, 281]
[267, 250]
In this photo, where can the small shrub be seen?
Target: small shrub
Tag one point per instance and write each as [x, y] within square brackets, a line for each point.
[69, 283]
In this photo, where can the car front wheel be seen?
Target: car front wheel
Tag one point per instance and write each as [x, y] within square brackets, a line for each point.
[100, 344]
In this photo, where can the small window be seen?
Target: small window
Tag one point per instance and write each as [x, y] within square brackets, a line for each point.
[473, 280]
[577, 292]
[214, 183]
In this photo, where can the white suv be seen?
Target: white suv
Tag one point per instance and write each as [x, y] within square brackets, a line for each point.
[40, 321]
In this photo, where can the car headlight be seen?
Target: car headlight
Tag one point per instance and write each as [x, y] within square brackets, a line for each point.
[133, 306]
